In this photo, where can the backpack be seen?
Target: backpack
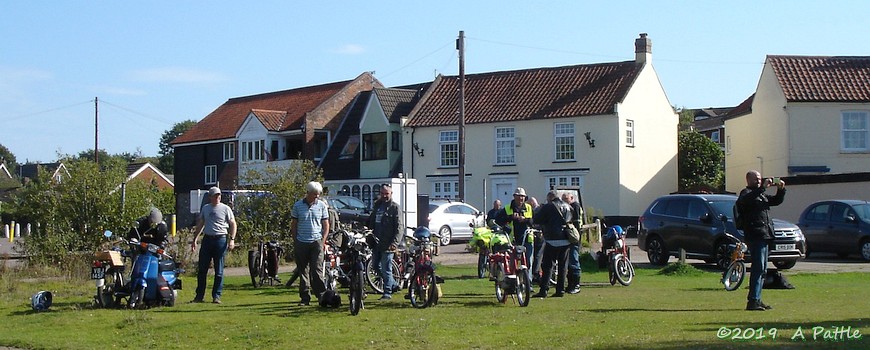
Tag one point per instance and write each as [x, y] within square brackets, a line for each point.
[738, 219]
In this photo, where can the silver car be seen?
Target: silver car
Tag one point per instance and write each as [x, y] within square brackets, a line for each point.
[451, 219]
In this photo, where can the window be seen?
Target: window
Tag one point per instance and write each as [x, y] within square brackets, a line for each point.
[564, 139]
[253, 150]
[395, 141]
[565, 180]
[445, 189]
[505, 146]
[819, 213]
[210, 174]
[855, 131]
[229, 151]
[629, 133]
[349, 147]
[449, 143]
[715, 136]
[375, 146]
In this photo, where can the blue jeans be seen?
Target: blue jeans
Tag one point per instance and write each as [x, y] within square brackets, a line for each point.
[384, 260]
[212, 250]
[759, 250]
[574, 262]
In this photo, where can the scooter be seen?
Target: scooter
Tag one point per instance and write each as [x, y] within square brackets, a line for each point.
[155, 278]
[107, 272]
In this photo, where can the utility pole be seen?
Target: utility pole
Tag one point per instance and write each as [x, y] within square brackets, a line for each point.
[460, 45]
[96, 130]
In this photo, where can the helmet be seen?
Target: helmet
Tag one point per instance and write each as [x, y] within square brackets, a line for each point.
[422, 232]
[41, 301]
[330, 299]
[155, 217]
[615, 232]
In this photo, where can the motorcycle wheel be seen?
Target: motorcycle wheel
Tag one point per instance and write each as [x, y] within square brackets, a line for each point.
[137, 298]
[114, 284]
[357, 288]
[422, 289]
[623, 271]
[500, 294]
[374, 279]
[611, 273]
[254, 267]
[524, 287]
[482, 264]
[733, 276]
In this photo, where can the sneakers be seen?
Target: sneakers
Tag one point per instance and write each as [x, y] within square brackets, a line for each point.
[386, 297]
[755, 305]
[304, 303]
[558, 294]
[216, 301]
[541, 294]
[196, 301]
[574, 290]
[765, 306]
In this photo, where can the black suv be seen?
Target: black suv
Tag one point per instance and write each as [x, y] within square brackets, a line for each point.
[698, 222]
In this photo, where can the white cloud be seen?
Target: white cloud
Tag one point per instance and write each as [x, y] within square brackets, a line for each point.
[350, 49]
[23, 75]
[176, 75]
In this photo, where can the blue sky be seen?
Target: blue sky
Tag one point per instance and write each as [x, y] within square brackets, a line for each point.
[156, 63]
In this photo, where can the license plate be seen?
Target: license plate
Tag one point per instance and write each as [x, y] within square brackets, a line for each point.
[98, 273]
[784, 247]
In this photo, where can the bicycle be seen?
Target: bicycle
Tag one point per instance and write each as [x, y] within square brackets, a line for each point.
[263, 262]
[619, 267]
[509, 267]
[736, 271]
[399, 267]
[423, 285]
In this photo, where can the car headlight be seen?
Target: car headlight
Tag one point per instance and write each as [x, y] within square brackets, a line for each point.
[800, 235]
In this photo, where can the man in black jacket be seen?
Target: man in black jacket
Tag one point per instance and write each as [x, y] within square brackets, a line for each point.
[553, 217]
[386, 224]
[752, 207]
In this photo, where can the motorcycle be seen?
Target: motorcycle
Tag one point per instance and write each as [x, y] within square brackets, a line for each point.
[155, 278]
[357, 253]
[107, 272]
[615, 249]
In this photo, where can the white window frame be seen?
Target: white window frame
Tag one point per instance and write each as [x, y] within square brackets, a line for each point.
[505, 145]
[564, 136]
[629, 133]
[210, 174]
[715, 136]
[229, 151]
[857, 132]
[564, 180]
[253, 151]
[445, 188]
[448, 141]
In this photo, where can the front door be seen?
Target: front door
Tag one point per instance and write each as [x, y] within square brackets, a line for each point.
[503, 190]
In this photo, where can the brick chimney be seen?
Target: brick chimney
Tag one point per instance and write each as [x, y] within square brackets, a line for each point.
[643, 49]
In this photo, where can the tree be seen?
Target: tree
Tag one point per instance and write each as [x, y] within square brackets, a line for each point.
[687, 117]
[6, 157]
[700, 163]
[167, 153]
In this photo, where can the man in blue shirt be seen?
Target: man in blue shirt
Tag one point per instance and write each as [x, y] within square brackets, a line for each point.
[309, 228]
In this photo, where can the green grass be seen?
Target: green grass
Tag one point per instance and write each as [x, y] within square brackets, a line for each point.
[681, 310]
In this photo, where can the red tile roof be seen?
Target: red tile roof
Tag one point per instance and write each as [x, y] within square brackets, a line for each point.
[224, 121]
[272, 120]
[823, 78]
[538, 93]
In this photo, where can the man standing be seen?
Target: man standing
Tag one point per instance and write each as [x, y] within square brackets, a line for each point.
[491, 214]
[752, 209]
[386, 224]
[310, 229]
[574, 248]
[216, 221]
[553, 217]
[518, 215]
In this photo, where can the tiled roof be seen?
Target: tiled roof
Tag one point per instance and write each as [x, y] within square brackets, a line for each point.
[397, 103]
[224, 121]
[743, 108]
[823, 78]
[272, 120]
[538, 93]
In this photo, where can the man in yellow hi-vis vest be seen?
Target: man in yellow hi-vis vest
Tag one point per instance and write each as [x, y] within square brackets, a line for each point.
[518, 215]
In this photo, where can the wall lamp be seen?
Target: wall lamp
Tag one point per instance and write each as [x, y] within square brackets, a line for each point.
[418, 149]
[589, 139]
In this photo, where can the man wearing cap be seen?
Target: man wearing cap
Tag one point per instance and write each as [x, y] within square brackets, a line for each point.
[518, 215]
[215, 222]
[552, 217]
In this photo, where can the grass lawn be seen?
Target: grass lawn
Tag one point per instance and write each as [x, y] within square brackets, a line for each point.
[689, 310]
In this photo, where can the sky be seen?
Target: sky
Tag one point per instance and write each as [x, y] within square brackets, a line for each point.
[152, 64]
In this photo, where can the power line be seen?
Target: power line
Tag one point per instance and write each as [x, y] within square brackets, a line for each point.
[137, 113]
[418, 60]
[48, 110]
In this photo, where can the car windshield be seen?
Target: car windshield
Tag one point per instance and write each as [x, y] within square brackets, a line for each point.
[863, 211]
[350, 203]
[724, 207]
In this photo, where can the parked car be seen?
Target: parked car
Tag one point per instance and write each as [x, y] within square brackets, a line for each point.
[698, 222]
[351, 210]
[837, 226]
[451, 219]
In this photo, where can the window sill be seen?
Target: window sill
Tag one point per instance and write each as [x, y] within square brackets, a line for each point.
[504, 165]
[565, 161]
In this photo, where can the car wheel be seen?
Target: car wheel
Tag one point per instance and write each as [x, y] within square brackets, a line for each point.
[784, 264]
[446, 234]
[656, 252]
[722, 255]
[865, 250]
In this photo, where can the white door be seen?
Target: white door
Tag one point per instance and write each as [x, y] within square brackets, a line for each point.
[504, 191]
